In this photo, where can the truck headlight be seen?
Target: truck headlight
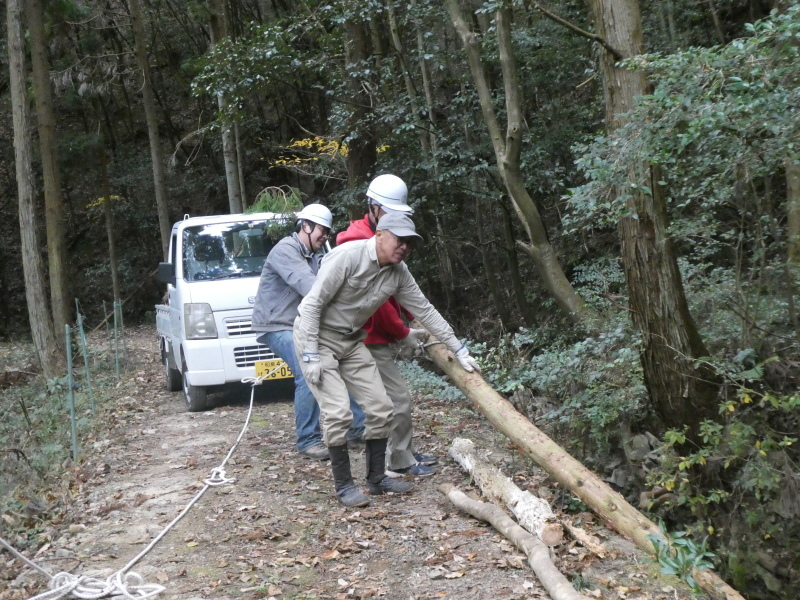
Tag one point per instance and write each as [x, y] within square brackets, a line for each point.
[199, 321]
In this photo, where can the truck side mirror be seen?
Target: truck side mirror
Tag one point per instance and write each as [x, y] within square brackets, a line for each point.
[166, 273]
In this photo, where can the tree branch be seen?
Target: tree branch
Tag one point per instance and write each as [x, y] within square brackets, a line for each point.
[468, 38]
[592, 36]
[553, 581]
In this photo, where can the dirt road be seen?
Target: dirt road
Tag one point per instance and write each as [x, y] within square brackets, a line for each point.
[277, 530]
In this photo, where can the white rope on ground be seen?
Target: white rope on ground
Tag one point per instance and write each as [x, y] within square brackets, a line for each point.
[124, 582]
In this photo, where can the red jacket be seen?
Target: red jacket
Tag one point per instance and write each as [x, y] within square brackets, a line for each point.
[386, 325]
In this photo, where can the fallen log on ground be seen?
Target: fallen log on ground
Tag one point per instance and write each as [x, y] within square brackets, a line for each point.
[533, 443]
[533, 513]
[589, 542]
[538, 554]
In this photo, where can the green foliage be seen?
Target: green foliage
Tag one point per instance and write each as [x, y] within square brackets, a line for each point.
[746, 445]
[717, 117]
[280, 200]
[737, 478]
[426, 383]
[679, 555]
[35, 427]
[579, 582]
[37, 448]
[591, 384]
[574, 505]
[283, 200]
[601, 282]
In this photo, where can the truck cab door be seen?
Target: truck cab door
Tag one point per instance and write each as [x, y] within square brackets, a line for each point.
[175, 300]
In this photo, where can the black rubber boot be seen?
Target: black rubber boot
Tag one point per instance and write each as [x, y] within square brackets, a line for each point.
[346, 491]
[377, 481]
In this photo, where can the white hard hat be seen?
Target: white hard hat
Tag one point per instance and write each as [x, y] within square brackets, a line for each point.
[390, 192]
[317, 213]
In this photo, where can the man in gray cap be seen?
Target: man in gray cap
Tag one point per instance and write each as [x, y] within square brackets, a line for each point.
[353, 281]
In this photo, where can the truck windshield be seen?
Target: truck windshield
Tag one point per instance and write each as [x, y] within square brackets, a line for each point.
[227, 250]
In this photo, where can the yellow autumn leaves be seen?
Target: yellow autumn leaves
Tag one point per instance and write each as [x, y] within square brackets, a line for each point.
[312, 149]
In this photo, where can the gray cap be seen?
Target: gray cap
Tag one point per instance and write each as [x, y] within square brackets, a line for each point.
[399, 224]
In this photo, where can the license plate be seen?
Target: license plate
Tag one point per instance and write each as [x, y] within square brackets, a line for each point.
[279, 369]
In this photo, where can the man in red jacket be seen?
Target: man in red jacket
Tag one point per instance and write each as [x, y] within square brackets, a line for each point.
[388, 193]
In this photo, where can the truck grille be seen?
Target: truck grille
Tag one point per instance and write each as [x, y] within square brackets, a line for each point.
[248, 355]
[237, 326]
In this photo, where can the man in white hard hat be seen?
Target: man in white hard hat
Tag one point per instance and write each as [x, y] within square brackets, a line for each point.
[355, 279]
[389, 194]
[289, 272]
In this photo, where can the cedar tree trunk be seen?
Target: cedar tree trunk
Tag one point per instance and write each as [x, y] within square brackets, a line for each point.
[44, 338]
[229, 154]
[48, 143]
[793, 208]
[156, 155]
[680, 392]
[361, 149]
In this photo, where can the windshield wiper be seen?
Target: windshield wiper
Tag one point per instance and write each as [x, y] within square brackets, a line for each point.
[237, 274]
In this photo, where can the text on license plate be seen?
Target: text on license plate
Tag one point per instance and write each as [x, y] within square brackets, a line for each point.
[278, 369]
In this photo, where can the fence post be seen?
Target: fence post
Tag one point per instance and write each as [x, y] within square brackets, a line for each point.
[116, 342]
[85, 350]
[71, 396]
[122, 333]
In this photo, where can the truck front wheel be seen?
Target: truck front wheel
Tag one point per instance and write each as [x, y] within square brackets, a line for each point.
[196, 396]
[172, 377]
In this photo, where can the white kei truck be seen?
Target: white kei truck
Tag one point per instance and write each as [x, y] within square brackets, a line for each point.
[212, 278]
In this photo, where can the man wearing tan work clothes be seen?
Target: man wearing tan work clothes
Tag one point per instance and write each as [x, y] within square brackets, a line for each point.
[353, 281]
[386, 329]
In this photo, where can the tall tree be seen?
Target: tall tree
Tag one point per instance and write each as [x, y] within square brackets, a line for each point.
[44, 338]
[107, 200]
[361, 147]
[793, 204]
[507, 150]
[681, 393]
[156, 153]
[219, 31]
[54, 206]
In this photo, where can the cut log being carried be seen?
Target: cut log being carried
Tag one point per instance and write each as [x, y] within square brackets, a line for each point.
[533, 513]
[533, 443]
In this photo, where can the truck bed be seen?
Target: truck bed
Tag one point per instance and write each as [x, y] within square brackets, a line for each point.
[162, 319]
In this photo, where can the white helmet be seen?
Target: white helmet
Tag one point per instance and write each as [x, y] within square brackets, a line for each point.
[390, 192]
[317, 213]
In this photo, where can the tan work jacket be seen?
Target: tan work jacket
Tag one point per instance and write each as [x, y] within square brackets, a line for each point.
[350, 287]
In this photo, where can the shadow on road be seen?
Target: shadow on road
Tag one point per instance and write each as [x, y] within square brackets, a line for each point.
[238, 394]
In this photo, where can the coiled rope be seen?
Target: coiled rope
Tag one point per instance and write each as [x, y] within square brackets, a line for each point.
[125, 582]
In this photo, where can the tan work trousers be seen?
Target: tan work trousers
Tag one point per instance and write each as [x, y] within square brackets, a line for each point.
[400, 450]
[348, 369]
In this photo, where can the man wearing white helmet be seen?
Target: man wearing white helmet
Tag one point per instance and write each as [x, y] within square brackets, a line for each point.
[288, 274]
[388, 194]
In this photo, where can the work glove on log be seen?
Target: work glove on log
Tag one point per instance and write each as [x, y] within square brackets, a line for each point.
[466, 360]
[312, 367]
[415, 339]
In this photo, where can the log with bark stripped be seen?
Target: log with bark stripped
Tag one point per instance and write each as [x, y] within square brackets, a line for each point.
[538, 555]
[533, 513]
[533, 443]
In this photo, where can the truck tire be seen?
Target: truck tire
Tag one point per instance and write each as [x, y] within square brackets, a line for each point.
[172, 377]
[196, 396]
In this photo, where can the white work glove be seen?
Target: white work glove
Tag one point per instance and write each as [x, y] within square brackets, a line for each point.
[312, 367]
[415, 339]
[466, 360]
